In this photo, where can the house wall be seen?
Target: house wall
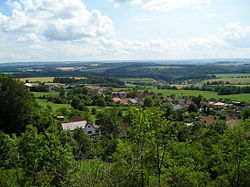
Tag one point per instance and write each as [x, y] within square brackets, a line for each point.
[90, 130]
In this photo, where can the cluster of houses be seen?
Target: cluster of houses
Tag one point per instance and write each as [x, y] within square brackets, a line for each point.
[232, 110]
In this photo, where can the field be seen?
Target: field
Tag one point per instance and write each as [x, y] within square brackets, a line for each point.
[44, 102]
[70, 68]
[54, 106]
[206, 94]
[179, 86]
[39, 94]
[147, 80]
[161, 67]
[232, 75]
[231, 80]
[38, 79]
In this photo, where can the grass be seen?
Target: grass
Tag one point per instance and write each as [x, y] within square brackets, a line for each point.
[206, 94]
[231, 80]
[128, 85]
[45, 103]
[39, 94]
[232, 75]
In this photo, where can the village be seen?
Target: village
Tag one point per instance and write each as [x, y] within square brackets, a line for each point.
[188, 110]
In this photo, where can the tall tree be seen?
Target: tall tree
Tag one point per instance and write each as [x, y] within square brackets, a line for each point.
[16, 104]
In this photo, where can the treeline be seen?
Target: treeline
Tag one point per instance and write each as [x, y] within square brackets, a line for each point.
[222, 89]
[40, 88]
[102, 81]
[167, 87]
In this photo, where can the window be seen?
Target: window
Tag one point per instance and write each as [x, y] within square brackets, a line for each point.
[89, 132]
[97, 131]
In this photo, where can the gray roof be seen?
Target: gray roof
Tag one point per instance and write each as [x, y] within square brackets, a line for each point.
[133, 101]
[178, 107]
[74, 125]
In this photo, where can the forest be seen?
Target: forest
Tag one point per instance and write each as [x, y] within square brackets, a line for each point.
[147, 145]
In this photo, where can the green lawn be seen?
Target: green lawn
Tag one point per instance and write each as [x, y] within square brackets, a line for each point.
[39, 94]
[45, 103]
[231, 80]
[206, 94]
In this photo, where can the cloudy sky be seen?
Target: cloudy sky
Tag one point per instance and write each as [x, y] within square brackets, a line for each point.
[49, 30]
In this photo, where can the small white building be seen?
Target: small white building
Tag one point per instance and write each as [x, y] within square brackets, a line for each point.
[89, 129]
[28, 85]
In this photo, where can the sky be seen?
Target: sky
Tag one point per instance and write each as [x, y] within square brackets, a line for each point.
[81, 30]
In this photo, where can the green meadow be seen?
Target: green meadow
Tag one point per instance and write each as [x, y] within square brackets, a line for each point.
[45, 103]
[206, 94]
[231, 80]
[232, 75]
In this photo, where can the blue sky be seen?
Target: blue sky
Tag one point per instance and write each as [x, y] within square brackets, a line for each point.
[45, 30]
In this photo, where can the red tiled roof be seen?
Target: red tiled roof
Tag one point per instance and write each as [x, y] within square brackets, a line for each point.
[207, 120]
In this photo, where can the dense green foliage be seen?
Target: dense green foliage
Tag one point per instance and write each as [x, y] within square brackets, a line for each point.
[16, 104]
[149, 145]
[153, 151]
[103, 81]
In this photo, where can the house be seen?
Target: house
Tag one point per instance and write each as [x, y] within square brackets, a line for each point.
[96, 89]
[188, 102]
[67, 87]
[28, 85]
[220, 104]
[207, 120]
[143, 95]
[133, 101]
[116, 99]
[178, 107]
[60, 118]
[231, 114]
[181, 101]
[170, 99]
[120, 94]
[124, 101]
[89, 129]
[53, 87]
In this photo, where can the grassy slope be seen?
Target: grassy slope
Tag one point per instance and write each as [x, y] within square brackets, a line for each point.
[206, 94]
[232, 75]
[231, 80]
[44, 102]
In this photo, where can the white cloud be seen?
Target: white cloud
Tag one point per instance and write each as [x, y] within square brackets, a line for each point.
[236, 35]
[167, 5]
[56, 20]
[132, 2]
[39, 30]
[31, 37]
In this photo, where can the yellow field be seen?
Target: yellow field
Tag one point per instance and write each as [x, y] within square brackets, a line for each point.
[179, 86]
[70, 68]
[38, 79]
[47, 80]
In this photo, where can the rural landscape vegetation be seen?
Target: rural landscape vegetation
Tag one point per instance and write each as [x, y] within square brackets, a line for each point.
[82, 104]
